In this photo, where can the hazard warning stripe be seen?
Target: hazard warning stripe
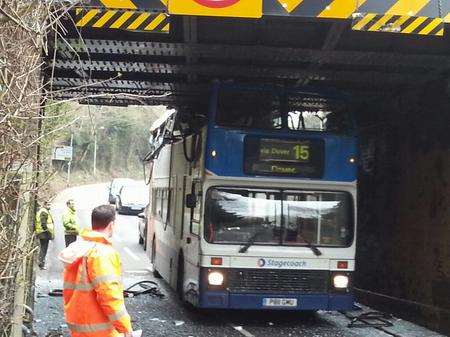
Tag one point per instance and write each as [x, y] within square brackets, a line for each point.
[343, 9]
[337, 9]
[447, 18]
[123, 19]
[399, 24]
[423, 17]
[140, 5]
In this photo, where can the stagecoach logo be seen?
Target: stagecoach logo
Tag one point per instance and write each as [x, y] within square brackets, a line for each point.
[276, 263]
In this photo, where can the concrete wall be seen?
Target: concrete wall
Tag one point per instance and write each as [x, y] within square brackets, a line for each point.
[404, 205]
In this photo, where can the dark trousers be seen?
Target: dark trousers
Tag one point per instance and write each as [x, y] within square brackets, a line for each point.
[43, 251]
[69, 238]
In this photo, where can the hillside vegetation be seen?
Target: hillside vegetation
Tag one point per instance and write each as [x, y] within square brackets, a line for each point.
[122, 140]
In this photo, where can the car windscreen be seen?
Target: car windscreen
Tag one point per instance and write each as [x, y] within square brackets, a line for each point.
[117, 184]
[134, 195]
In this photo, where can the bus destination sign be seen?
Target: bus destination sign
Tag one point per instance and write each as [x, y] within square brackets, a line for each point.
[299, 158]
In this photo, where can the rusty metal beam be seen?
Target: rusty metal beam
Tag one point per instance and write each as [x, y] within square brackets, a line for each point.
[109, 48]
[131, 70]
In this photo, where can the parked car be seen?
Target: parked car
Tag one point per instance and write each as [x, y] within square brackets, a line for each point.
[142, 225]
[132, 199]
[115, 186]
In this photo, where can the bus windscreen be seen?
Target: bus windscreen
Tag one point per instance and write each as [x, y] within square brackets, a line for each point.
[273, 217]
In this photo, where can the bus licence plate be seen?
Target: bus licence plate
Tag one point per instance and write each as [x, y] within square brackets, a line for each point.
[279, 302]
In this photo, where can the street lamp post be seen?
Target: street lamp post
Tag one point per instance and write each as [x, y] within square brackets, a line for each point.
[69, 164]
[95, 148]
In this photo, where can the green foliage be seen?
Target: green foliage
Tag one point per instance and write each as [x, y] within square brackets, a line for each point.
[57, 117]
[122, 138]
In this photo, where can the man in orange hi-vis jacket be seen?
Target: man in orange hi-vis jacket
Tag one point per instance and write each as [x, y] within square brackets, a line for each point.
[93, 292]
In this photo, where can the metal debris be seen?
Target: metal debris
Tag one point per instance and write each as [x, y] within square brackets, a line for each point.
[158, 320]
[147, 287]
[370, 319]
[54, 333]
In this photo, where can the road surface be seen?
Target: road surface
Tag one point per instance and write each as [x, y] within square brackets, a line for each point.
[167, 317]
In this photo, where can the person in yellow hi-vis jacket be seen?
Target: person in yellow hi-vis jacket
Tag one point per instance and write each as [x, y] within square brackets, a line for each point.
[45, 231]
[94, 304]
[69, 219]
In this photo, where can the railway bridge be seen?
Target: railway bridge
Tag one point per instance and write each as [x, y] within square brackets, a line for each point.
[391, 56]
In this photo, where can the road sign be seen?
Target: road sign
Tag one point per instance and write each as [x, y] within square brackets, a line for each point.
[228, 8]
[63, 153]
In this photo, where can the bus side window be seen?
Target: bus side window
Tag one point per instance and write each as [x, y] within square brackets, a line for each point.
[196, 212]
[169, 207]
[153, 202]
[164, 204]
[160, 201]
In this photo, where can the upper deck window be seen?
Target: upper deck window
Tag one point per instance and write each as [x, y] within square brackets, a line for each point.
[249, 109]
[316, 114]
[270, 110]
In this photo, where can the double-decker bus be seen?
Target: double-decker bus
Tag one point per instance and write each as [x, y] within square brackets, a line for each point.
[253, 203]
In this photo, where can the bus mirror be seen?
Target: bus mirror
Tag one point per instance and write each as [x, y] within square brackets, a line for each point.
[191, 201]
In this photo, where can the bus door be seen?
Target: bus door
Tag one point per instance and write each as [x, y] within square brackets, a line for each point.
[191, 232]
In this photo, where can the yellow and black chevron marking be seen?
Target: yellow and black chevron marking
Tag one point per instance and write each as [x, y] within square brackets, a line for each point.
[398, 24]
[344, 9]
[123, 19]
[142, 5]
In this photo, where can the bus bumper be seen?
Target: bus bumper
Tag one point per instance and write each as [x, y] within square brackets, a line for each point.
[226, 300]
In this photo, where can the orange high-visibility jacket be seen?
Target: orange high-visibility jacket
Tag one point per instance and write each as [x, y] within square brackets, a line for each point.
[93, 292]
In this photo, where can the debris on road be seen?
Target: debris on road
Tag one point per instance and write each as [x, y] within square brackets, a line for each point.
[371, 319]
[147, 287]
[55, 293]
[243, 331]
[54, 333]
[178, 323]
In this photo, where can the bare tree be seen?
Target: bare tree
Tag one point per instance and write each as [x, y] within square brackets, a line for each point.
[24, 27]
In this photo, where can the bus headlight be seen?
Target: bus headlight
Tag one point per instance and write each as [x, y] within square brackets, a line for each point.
[340, 281]
[215, 278]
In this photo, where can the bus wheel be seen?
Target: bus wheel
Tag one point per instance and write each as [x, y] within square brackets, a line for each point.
[156, 273]
[180, 277]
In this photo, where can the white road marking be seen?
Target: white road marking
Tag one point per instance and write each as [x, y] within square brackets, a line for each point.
[133, 255]
[243, 331]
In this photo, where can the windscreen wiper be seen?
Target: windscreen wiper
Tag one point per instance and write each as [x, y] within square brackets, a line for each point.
[250, 242]
[252, 239]
[314, 249]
